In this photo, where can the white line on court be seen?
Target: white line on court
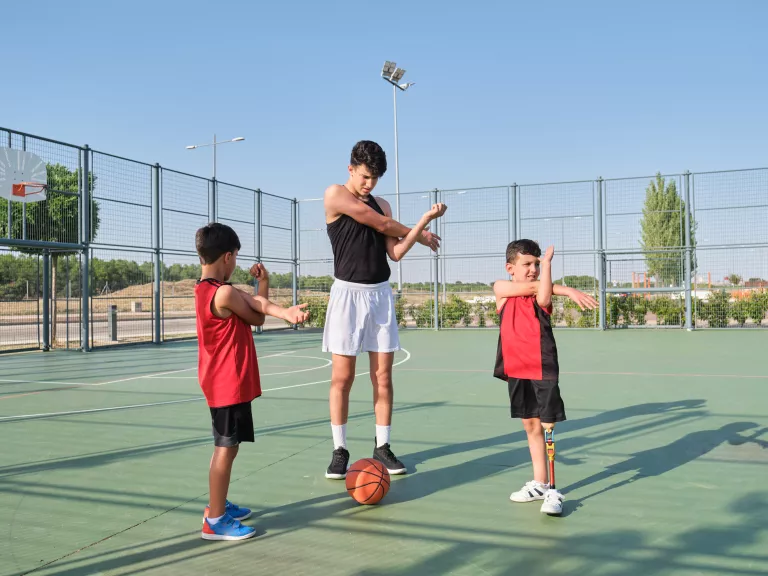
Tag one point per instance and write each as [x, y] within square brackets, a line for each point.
[45, 382]
[196, 399]
[327, 363]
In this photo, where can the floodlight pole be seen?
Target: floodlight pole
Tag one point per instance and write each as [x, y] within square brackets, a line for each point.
[397, 192]
[388, 74]
[215, 143]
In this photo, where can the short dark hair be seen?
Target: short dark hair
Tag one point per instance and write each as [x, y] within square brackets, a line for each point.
[526, 247]
[214, 240]
[371, 155]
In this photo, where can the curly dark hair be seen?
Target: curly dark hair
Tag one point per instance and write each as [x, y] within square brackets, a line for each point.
[371, 155]
[527, 247]
[214, 240]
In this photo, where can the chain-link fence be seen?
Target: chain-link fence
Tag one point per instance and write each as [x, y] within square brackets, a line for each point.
[683, 250]
[109, 256]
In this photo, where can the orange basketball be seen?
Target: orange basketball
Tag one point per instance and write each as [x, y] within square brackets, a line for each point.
[367, 481]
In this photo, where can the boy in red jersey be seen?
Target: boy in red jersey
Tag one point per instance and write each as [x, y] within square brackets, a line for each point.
[227, 367]
[527, 357]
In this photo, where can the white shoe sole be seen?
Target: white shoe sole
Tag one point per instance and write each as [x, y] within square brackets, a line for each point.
[524, 499]
[335, 476]
[222, 537]
[552, 512]
[397, 471]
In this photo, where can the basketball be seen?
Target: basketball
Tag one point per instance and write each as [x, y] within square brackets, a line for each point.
[367, 481]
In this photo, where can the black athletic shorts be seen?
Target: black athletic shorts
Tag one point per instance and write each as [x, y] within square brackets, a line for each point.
[232, 424]
[536, 399]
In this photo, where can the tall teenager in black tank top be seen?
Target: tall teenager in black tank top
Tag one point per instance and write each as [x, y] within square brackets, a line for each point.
[359, 251]
[360, 313]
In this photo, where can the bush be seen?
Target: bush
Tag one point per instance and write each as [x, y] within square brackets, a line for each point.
[400, 303]
[757, 306]
[668, 312]
[716, 310]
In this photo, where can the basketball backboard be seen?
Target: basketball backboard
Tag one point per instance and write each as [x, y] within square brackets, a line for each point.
[23, 176]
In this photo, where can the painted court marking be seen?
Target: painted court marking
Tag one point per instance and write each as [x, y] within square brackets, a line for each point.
[186, 400]
[71, 385]
[326, 361]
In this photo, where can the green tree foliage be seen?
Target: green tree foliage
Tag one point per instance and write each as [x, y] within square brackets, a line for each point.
[662, 227]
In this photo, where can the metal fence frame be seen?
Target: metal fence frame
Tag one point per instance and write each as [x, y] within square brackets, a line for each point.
[112, 184]
[124, 205]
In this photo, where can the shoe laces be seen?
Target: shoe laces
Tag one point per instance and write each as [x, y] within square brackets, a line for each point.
[387, 452]
[339, 457]
[553, 495]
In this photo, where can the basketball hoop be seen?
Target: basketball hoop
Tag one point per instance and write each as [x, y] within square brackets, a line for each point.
[23, 176]
[24, 189]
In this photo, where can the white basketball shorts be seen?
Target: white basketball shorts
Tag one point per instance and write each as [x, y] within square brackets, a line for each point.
[360, 318]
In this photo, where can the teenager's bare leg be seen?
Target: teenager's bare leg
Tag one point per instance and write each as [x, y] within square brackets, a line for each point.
[381, 378]
[342, 377]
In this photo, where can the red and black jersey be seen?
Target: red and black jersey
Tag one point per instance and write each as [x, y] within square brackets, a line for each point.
[227, 367]
[526, 346]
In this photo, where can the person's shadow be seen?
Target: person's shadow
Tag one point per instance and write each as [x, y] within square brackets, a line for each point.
[415, 486]
[662, 459]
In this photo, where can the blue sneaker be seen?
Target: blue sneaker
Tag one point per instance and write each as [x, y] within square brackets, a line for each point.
[237, 512]
[226, 529]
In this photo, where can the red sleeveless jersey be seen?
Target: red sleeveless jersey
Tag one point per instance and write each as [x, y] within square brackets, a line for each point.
[227, 367]
[526, 343]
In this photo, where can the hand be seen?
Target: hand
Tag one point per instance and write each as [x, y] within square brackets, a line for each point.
[547, 258]
[436, 211]
[259, 272]
[430, 240]
[297, 314]
[585, 301]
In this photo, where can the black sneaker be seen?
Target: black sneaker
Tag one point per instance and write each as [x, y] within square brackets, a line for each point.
[384, 455]
[339, 464]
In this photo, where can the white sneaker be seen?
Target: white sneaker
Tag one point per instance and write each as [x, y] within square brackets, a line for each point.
[532, 490]
[553, 503]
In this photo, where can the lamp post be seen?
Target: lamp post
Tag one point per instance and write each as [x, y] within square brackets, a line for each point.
[214, 144]
[392, 74]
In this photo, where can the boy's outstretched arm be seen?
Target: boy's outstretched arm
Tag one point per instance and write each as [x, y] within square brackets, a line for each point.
[397, 248]
[585, 301]
[338, 200]
[259, 272]
[231, 299]
[544, 295]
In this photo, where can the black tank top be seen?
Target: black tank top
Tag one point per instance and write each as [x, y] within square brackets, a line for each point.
[359, 251]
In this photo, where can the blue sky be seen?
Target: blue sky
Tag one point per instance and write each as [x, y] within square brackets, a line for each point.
[505, 91]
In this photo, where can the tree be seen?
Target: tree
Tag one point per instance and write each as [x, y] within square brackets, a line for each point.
[56, 219]
[662, 228]
[734, 279]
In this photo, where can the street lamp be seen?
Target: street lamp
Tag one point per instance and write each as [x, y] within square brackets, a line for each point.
[392, 74]
[214, 144]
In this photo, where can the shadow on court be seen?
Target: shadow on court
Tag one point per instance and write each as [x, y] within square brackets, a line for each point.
[717, 549]
[423, 484]
[663, 459]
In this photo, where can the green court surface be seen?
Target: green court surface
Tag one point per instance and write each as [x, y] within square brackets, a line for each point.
[663, 462]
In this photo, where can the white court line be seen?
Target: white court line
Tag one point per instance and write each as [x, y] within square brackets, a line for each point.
[45, 382]
[169, 372]
[327, 363]
[196, 399]
[155, 375]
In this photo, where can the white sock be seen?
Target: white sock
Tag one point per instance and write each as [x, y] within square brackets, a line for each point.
[382, 435]
[214, 521]
[339, 436]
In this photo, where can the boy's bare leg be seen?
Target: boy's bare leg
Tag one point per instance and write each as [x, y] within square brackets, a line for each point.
[218, 479]
[383, 393]
[342, 377]
[535, 434]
